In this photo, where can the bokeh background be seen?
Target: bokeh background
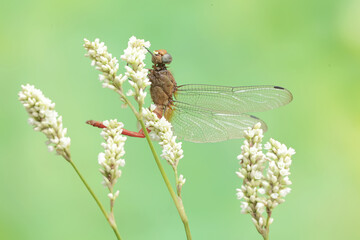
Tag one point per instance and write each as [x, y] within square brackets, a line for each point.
[309, 47]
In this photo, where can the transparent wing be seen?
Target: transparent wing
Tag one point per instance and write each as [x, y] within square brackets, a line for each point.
[196, 124]
[233, 100]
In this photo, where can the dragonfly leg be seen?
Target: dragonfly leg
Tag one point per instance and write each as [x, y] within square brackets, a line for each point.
[95, 124]
[139, 134]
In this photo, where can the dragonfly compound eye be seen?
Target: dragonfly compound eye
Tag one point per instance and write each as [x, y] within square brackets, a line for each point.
[166, 58]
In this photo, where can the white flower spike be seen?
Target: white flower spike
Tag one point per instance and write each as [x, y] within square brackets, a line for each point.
[136, 73]
[259, 191]
[111, 159]
[44, 118]
[105, 63]
[161, 130]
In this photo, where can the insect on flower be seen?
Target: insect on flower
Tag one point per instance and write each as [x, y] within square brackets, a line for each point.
[207, 113]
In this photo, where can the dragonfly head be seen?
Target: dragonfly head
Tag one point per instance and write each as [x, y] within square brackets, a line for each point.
[166, 58]
[160, 57]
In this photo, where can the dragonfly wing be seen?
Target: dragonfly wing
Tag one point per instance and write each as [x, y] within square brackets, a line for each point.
[196, 124]
[233, 100]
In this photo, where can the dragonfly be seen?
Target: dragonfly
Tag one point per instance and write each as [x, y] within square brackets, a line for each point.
[203, 113]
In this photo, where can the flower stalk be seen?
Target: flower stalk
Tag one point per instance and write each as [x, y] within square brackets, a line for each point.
[109, 218]
[177, 199]
[111, 160]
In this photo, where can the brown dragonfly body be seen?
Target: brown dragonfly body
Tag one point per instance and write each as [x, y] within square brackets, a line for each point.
[163, 84]
[206, 113]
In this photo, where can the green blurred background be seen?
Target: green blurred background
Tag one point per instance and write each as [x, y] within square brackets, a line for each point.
[309, 47]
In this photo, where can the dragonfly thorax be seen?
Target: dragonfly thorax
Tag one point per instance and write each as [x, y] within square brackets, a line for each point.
[162, 86]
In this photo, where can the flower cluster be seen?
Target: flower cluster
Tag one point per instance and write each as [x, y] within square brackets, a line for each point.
[278, 173]
[44, 118]
[161, 130]
[136, 72]
[260, 191]
[252, 161]
[104, 62]
[111, 158]
[134, 55]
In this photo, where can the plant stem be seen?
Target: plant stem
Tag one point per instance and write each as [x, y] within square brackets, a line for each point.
[267, 228]
[123, 96]
[178, 190]
[111, 221]
[265, 231]
[178, 202]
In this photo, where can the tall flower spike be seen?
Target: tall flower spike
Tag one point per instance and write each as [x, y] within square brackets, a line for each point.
[111, 159]
[104, 62]
[252, 162]
[277, 178]
[134, 55]
[136, 73]
[259, 191]
[44, 118]
[161, 130]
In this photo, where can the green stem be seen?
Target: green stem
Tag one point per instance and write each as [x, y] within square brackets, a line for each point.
[177, 201]
[267, 228]
[178, 190]
[123, 96]
[111, 221]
